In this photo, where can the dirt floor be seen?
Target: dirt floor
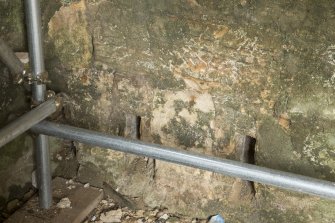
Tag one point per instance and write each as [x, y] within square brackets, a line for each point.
[74, 202]
[72, 199]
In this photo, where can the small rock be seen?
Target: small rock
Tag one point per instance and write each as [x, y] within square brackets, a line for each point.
[69, 181]
[28, 195]
[160, 214]
[154, 212]
[86, 185]
[23, 56]
[104, 202]
[59, 157]
[139, 213]
[164, 217]
[64, 203]
[71, 187]
[113, 216]
[12, 205]
[33, 179]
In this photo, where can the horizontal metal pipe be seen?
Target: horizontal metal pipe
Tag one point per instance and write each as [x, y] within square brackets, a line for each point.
[26, 121]
[231, 168]
[8, 57]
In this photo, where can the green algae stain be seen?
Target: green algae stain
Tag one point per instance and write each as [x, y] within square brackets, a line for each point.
[14, 150]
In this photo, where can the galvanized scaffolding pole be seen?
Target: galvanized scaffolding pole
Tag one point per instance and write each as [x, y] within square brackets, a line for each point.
[244, 171]
[26, 121]
[33, 17]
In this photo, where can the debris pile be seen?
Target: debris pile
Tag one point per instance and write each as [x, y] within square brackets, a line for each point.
[110, 212]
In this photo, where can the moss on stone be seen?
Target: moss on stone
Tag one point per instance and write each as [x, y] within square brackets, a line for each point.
[156, 138]
[179, 105]
[186, 134]
[12, 23]
[14, 150]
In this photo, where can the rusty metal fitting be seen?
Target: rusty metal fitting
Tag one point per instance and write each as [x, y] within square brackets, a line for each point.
[58, 98]
[50, 94]
[42, 78]
[20, 78]
[59, 102]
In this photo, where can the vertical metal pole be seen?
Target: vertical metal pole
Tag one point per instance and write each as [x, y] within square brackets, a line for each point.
[33, 17]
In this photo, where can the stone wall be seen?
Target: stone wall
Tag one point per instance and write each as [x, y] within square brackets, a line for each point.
[199, 73]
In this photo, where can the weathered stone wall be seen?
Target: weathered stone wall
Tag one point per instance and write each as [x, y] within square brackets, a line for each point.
[198, 73]
[16, 154]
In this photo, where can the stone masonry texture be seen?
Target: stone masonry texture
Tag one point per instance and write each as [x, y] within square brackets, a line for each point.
[199, 73]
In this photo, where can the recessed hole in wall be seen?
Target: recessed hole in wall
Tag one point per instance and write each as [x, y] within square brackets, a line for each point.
[138, 127]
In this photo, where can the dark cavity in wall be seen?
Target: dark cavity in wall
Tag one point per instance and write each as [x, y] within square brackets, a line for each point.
[138, 127]
[245, 151]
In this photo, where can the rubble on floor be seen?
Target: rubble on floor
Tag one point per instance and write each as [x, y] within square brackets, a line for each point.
[110, 212]
[64, 203]
[73, 201]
